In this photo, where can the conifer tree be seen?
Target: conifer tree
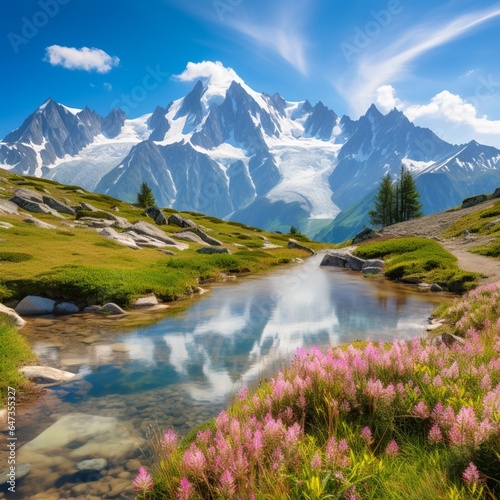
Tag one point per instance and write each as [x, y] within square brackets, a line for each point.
[410, 206]
[145, 196]
[383, 213]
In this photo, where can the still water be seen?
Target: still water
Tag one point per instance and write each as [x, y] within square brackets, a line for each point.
[182, 368]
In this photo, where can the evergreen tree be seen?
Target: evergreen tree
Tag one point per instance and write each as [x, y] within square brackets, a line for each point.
[145, 197]
[410, 206]
[383, 214]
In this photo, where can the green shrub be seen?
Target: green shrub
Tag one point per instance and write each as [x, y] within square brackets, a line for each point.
[95, 215]
[15, 256]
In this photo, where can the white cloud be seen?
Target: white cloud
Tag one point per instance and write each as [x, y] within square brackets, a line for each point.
[386, 98]
[87, 59]
[390, 64]
[215, 72]
[107, 86]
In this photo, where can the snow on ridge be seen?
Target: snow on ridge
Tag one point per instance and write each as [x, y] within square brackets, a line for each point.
[73, 111]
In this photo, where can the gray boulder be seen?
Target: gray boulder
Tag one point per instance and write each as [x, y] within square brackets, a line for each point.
[93, 309]
[152, 231]
[334, 260]
[211, 250]
[6, 225]
[294, 244]
[33, 305]
[59, 206]
[496, 194]
[120, 238]
[204, 236]
[39, 223]
[157, 215]
[366, 234]
[88, 207]
[65, 308]
[45, 375]
[373, 266]
[12, 316]
[146, 301]
[29, 194]
[97, 223]
[436, 288]
[95, 464]
[146, 241]
[112, 308]
[473, 200]
[34, 206]
[177, 220]
[189, 236]
[354, 262]
[8, 207]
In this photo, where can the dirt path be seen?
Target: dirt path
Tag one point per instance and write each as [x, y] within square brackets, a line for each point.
[432, 226]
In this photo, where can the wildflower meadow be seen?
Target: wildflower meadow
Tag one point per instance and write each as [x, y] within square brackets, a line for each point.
[409, 419]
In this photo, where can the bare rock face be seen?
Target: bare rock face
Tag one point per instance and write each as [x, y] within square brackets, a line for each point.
[45, 375]
[152, 231]
[39, 223]
[8, 207]
[157, 215]
[177, 220]
[204, 236]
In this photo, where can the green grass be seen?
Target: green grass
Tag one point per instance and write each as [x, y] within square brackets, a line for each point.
[14, 352]
[419, 259]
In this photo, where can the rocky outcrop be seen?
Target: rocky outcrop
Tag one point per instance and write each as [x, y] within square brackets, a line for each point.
[59, 206]
[474, 200]
[12, 316]
[33, 305]
[157, 215]
[146, 301]
[149, 230]
[348, 261]
[177, 220]
[211, 250]
[45, 375]
[112, 308]
[125, 239]
[366, 234]
[189, 236]
[34, 206]
[8, 207]
[39, 223]
[294, 244]
[66, 308]
[204, 236]
[496, 194]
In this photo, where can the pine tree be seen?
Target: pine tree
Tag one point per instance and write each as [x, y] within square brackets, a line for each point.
[410, 206]
[145, 197]
[383, 214]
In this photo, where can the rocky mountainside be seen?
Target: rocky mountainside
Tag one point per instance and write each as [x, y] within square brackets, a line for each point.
[246, 156]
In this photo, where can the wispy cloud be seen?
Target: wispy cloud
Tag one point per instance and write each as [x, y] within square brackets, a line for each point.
[87, 59]
[381, 66]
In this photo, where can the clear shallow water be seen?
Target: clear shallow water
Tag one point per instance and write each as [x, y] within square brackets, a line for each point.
[183, 368]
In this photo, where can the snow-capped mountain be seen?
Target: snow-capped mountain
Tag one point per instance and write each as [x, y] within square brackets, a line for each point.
[229, 151]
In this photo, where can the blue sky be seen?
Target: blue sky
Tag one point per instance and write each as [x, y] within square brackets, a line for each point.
[436, 61]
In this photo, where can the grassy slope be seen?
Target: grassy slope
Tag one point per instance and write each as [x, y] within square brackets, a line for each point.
[78, 264]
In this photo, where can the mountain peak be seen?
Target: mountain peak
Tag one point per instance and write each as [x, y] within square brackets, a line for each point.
[373, 113]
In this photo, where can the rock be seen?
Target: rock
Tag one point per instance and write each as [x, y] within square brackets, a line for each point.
[496, 194]
[12, 316]
[204, 236]
[147, 301]
[8, 207]
[373, 266]
[295, 244]
[95, 222]
[34, 206]
[29, 194]
[94, 309]
[449, 339]
[157, 215]
[21, 471]
[120, 238]
[33, 306]
[167, 252]
[334, 260]
[6, 225]
[473, 200]
[88, 207]
[96, 464]
[59, 206]
[189, 236]
[366, 234]
[297, 260]
[145, 241]
[46, 375]
[39, 223]
[354, 262]
[177, 220]
[211, 250]
[133, 464]
[64, 308]
[152, 231]
[83, 436]
[436, 288]
[111, 308]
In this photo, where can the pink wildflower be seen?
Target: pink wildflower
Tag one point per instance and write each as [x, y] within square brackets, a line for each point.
[351, 494]
[420, 410]
[392, 449]
[435, 434]
[194, 460]
[143, 481]
[316, 462]
[227, 485]
[337, 452]
[186, 489]
[367, 436]
[471, 475]
[169, 441]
